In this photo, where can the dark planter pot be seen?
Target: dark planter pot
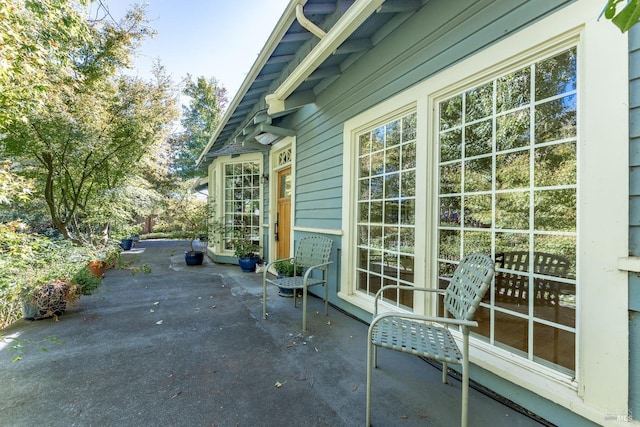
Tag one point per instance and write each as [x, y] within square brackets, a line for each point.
[285, 292]
[194, 257]
[248, 265]
[126, 244]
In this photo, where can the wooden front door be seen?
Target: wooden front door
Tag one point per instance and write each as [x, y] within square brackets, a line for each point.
[283, 214]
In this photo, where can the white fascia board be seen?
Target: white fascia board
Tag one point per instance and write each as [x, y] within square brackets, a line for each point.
[346, 25]
[285, 21]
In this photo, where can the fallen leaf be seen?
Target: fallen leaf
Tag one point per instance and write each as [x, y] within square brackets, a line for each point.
[278, 384]
[152, 311]
[329, 322]
[355, 387]
[159, 322]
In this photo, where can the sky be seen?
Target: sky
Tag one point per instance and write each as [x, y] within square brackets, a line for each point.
[210, 38]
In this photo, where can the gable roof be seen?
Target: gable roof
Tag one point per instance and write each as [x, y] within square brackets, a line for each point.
[311, 45]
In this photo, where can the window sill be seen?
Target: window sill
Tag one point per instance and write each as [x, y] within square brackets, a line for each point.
[630, 264]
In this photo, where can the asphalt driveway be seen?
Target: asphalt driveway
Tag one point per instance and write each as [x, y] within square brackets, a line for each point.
[187, 346]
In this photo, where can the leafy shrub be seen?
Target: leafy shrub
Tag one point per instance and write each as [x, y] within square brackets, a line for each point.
[86, 281]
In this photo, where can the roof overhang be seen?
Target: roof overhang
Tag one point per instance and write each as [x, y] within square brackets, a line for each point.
[346, 25]
[302, 57]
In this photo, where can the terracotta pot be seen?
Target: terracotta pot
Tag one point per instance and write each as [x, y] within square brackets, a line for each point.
[97, 268]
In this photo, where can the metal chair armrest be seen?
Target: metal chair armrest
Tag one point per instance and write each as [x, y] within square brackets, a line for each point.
[313, 267]
[419, 317]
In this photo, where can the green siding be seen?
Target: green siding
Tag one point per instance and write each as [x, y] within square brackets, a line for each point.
[437, 36]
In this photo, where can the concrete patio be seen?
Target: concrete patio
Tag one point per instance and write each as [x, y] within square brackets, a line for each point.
[187, 346]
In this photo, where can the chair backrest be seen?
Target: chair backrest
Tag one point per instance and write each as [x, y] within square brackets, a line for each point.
[513, 288]
[468, 285]
[313, 250]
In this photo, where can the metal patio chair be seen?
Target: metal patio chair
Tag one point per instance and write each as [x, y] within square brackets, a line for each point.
[429, 336]
[312, 255]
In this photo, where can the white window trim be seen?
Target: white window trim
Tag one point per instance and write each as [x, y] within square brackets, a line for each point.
[602, 337]
[216, 177]
[273, 190]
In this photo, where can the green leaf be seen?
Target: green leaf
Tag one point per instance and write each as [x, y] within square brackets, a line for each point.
[628, 16]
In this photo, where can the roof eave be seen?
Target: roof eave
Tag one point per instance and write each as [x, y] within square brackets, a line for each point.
[285, 21]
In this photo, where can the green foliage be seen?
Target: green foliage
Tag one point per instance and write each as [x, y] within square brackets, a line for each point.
[286, 268]
[627, 17]
[37, 39]
[243, 246]
[84, 142]
[86, 281]
[200, 118]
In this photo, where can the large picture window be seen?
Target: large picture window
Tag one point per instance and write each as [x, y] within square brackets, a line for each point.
[508, 188]
[521, 153]
[386, 208]
[241, 202]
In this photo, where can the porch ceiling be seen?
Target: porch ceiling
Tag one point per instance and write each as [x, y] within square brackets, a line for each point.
[286, 48]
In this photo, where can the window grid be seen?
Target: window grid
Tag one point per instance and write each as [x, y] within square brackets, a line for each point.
[241, 202]
[500, 181]
[386, 208]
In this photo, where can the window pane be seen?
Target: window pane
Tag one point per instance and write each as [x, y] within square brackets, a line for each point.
[513, 130]
[512, 211]
[512, 170]
[449, 245]
[554, 345]
[451, 145]
[393, 133]
[409, 155]
[392, 186]
[479, 102]
[522, 208]
[555, 210]
[477, 211]
[513, 90]
[365, 143]
[450, 211]
[387, 208]
[556, 165]
[478, 139]
[451, 113]
[478, 175]
[556, 75]
[556, 119]
[450, 178]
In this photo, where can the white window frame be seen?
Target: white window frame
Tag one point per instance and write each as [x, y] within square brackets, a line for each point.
[216, 193]
[603, 138]
[288, 143]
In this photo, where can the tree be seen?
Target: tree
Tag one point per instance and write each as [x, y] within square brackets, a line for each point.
[36, 37]
[200, 118]
[90, 133]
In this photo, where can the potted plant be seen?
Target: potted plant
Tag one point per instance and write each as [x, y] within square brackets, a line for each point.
[192, 218]
[124, 233]
[246, 251]
[285, 268]
[47, 283]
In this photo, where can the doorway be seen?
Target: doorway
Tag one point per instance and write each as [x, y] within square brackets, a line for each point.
[283, 214]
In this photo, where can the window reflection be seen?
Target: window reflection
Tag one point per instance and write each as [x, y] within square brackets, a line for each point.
[386, 217]
[507, 187]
